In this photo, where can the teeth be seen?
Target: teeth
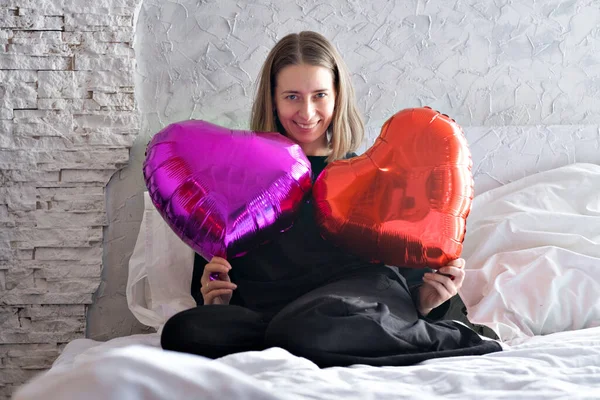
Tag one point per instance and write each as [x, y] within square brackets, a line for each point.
[303, 126]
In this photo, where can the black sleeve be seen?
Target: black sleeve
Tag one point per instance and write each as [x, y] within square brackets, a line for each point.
[199, 263]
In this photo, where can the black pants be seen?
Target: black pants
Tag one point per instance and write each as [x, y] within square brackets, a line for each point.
[362, 319]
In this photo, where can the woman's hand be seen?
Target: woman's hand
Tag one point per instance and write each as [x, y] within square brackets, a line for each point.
[440, 286]
[217, 291]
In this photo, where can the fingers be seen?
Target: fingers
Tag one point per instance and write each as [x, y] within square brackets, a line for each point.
[458, 275]
[214, 289]
[211, 296]
[222, 261]
[451, 271]
[455, 273]
[459, 263]
[211, 268]
[443, 284]
[218, 266]
[440, 288]
[212, 286]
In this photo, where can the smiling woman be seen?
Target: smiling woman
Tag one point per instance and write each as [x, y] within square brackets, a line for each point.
[304, 105]
[300, 291]
[305, 82]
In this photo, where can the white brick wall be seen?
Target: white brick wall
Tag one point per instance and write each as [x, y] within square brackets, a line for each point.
[67, 120]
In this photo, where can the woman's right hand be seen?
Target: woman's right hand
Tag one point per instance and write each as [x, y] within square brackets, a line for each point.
[217, 291]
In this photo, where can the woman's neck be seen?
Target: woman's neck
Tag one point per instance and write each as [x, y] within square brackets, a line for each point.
[319, 148]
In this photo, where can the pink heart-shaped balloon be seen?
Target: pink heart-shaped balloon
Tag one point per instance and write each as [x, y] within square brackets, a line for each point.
[223, 191]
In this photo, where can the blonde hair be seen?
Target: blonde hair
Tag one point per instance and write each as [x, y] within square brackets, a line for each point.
[311, 48]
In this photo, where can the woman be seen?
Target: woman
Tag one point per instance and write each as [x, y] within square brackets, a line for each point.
[299, 291]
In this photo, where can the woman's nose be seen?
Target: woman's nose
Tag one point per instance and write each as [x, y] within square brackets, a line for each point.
[307, 111]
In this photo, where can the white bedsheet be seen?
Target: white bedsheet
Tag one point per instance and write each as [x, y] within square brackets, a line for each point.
[561, 365]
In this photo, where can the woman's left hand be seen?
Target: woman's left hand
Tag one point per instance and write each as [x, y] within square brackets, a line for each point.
[437, 288]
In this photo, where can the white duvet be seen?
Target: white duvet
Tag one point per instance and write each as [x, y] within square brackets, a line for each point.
[561, 365]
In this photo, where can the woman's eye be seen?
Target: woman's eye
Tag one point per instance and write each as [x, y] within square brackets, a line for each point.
[321, 95]
[292, 97]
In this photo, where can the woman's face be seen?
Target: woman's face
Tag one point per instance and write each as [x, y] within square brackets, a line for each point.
[304, 102]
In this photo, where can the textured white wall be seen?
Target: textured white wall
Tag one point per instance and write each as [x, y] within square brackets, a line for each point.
[521, 77]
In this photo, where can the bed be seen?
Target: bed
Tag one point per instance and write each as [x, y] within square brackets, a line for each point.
[533, 276]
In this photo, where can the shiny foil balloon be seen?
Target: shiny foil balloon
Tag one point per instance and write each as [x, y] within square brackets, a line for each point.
[405, 201]
[223, 191]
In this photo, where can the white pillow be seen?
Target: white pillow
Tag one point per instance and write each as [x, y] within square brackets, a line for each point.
[160, 271]
[532, 249]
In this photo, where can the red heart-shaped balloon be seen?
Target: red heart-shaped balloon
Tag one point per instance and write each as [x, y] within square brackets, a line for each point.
[223, 191]
[405, 201]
